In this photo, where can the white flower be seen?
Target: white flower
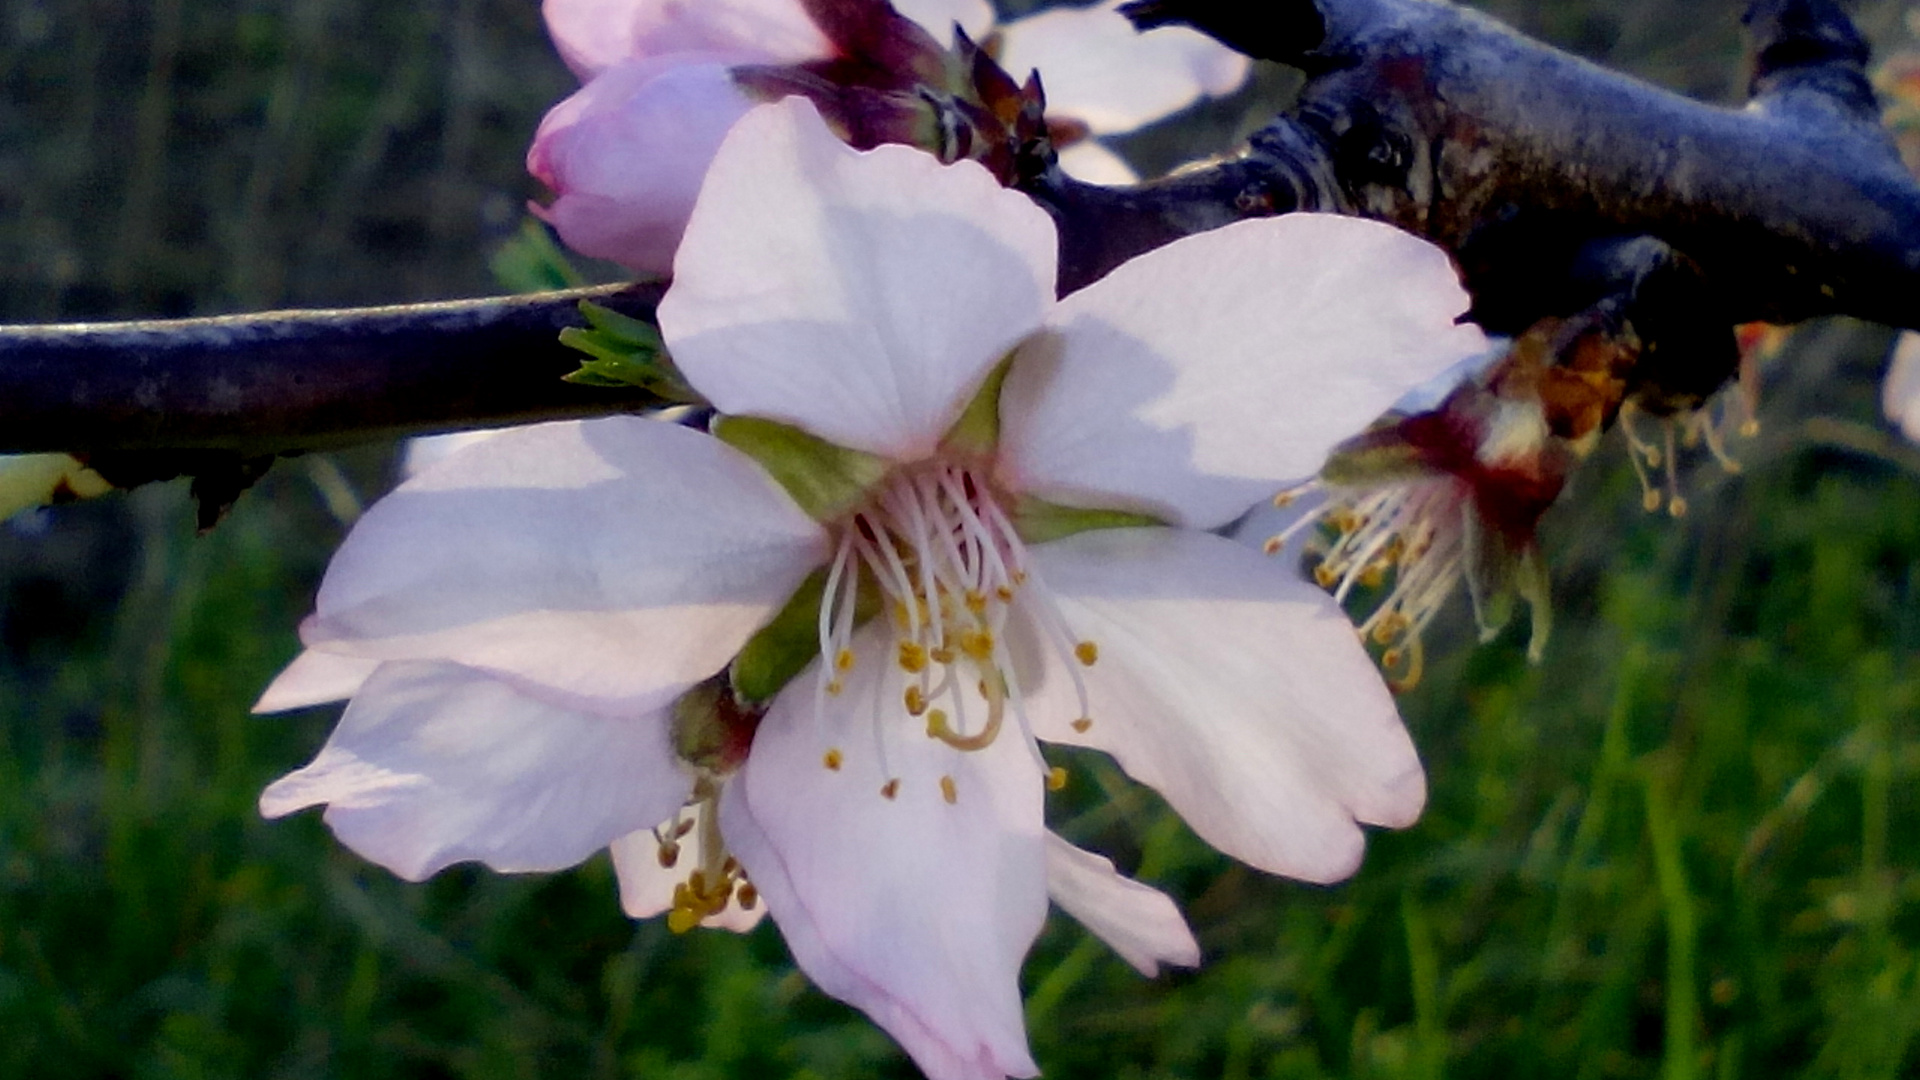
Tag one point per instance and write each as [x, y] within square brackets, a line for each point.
[1900, 394]
[516, 625]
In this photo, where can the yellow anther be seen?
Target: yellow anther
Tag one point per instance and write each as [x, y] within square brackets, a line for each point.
[697, 883]
[1081, 725]
[832, 759]
[1284, 500]
[913, 657]
[1749, 428]
[843, 660]
[1374, 576]
[948, 791]
[1677, 507]
[1650, 501]
[1390, 658]
[834, 686]
[1274, 544]
[941, 655]
[1005, 594]
[937, 724]
[916, 701]
[976, 602]
[668, 854]
[891, 788]
[1326, 575]
[746, 896]
[977, 644]
[1056, 778]
[680, 919]
[1087, 653]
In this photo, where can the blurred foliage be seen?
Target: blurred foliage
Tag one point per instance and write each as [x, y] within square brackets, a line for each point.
[1686, 846]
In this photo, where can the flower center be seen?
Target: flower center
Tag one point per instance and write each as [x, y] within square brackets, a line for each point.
[949, 567]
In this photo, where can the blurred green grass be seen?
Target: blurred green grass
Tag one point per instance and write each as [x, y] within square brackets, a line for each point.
[1685, 846]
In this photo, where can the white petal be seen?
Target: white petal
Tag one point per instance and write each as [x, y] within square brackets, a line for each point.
[862, 296]
[1199, 378]
[315, 678]
[1089, 161]
[938, 17]
[646, 887]
[915, 910]
[593, 35]
[1238, 692]
[1142, 924]
[603, 564]
[434, 764]
[426, 451]
[1900, 395]
[1097, 69]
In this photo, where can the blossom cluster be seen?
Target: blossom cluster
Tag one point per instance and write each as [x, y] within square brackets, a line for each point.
[798, 655]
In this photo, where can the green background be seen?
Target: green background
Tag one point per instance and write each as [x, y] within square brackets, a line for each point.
[1685, 845]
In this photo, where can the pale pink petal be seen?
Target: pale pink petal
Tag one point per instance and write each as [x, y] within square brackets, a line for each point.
[315, 678]
[1097, 69]
[646, 887]
[1900, 395]
[593, 35]
[626, 153]
[1089, 161]
[425, 451]
[915, 910]
[604, 564]
[1141, 923]
[862, 296]
[1199, 378]
[938, 17]
[1237, 691]
[434, 764]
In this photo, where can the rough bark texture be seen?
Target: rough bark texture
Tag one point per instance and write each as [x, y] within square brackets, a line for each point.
[1561, 188]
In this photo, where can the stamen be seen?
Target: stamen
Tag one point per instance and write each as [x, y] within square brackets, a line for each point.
[668, 854]
[832, 759]
[1056, 778]
[1081, 725]
[948, 791]
[1087, 652]
[890, 789]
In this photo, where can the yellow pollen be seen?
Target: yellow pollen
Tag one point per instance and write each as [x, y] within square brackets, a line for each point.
[913, 657]
[1373, 576]
[916, 701]
[891, 788]
[976, 602]
[937, 724]
[948, 791]
[1056, 778]
[1325, 575]
[941, 655]
[834, 686]
[669, 854]
[1087, 653]
[1677, 507]
[697, 883]
[843, 661]
[831, 759]
[1005, 594]
[1650, 501]
[977, 644]
[1081, 725]
[680, 920]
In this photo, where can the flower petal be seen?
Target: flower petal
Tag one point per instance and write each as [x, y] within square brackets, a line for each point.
[605, 564]
[914, 909]
[1238, 692]
[1141, 923]
[1089, 161]
[861, 296]
[434, 764]
[938, 17]
[626, 153]
[1096, 68]
[1900, 394]
[315, 678]
[1199, 378]
[646, 887]
[593, 35]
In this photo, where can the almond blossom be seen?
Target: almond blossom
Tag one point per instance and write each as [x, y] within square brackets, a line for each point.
[803, 664]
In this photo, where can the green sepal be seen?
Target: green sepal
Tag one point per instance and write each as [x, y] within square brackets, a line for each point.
[829, 482]
[1374, 458]
[531, 262]
[977, 432]
[624, 351]
[1038, 521]
[783, 648]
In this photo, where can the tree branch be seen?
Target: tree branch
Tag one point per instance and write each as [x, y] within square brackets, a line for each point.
[1559, 186]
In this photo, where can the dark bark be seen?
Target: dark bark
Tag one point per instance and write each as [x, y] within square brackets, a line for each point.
[1560, 187]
